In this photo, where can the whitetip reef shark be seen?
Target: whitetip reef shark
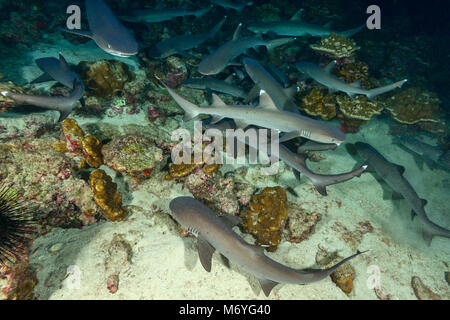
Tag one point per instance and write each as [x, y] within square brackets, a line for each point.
[392, 174]
[297, 28]
[266, 115]
[223, 86]
[55, 70]
[432, 155]
[232, 4]
[326, 77]
[216, 233]
[107, 31]
[264, 81]
[222, 57]
[179, 44]
[160, 14]
[62, 104]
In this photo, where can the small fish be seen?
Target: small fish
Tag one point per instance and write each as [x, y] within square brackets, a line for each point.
[216, 233]
[159, 15]
[64, 105]
[325, 77]
[392, 174]
[179, 44]
[222, 57]
[107, 31]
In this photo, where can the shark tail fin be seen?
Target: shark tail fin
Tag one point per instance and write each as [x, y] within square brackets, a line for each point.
[272, 44]
[351, 32]
[375, 92]
[337, 265]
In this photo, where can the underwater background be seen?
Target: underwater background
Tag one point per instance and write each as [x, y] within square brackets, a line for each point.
[86, 168]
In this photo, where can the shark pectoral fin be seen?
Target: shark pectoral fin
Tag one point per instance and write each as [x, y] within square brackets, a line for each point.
[45, 77]
[427, 237]
[215, 119]
[253, 94]
[64, 113]
[266, 102]
[188, 116]
[296, 174]
[321, 189]
[81, 33]
[289, 136]
[231, 221]
[205, 253]
[397, 196]
[267, 286]
[401, 169]
[217, 101]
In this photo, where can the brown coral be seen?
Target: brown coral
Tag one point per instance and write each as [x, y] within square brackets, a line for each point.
[105, 77]
[265, 217]
[336, 46]
[106, 195]
[354, 71]
[92, 149]
[421, 291]
[414, 105]
[359, 108]
[318, 104]
[5, 102]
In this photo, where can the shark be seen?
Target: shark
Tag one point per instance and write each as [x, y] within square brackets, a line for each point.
[216, 233]
[232, 4]
[222, 86]
[266, 115]
[431, 154]
[107, 31]
[179, 44]
[222, 57]
[160, 14]
[295, 27]
[55, 70]
[62, 104]
[392, 174]
[264, 81]
[325, 77]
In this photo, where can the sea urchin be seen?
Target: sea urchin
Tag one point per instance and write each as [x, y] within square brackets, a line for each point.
[16, 226]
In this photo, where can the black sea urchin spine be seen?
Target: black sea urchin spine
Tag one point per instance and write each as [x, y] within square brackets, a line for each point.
[16, 226]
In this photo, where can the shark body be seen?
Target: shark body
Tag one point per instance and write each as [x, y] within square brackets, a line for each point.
[232, 4]
[107, 31]
[56, 70]
[159, 15]
[427, 152]
[222, 57]
[325, 77]
[266, 115]
[264, 81]
[392, 174]
[64, 105]
[179, 44]
[215, 85]
[215, 233]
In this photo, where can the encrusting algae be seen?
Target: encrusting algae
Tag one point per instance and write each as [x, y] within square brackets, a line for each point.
[265, 217]
[106, 195]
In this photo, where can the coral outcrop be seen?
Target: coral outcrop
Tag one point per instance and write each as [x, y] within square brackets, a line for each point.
[336, 46]
[106, 195]
[319, 104]
[104, 78]
[265, 216]
[359, 107]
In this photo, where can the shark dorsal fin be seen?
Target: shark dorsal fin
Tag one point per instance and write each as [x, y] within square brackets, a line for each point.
[267, 286]
[217, 101]
[63, 61]
[205, 252]
[237, 32]
[230, 78]
[291, 91]
[298, 15]
[329, 68]
[265, 101]
[328, 25]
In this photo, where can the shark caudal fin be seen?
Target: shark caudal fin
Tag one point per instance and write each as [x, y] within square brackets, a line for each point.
[375, 92]
[191, 110]
[351, 32]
